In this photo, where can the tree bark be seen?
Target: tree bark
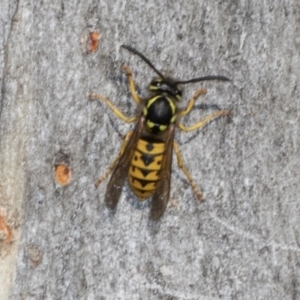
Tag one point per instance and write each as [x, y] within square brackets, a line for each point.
[57, 238]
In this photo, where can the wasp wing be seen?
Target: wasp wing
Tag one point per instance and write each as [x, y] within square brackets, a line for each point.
[120, 172]
[161, 195]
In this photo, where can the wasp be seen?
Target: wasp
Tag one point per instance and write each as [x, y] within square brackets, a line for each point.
[145, 157]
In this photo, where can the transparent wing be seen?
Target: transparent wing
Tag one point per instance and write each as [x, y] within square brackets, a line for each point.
[120, 172]
[161, 195]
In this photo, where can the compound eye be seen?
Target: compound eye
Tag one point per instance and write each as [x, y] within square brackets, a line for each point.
[155, 85]
[178, 93]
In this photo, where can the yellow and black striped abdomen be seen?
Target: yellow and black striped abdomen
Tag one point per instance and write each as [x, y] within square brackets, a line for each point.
[145, 168]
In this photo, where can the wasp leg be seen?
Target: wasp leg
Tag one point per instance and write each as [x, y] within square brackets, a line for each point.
[131, 83]
[113, 108]
[111, 167]
[192, 101]
[205, 121]
[185, 171]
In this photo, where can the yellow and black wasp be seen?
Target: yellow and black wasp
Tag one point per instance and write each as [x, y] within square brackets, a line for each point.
[145, 157]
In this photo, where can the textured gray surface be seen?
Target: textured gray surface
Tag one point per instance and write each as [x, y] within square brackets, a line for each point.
[242, 243]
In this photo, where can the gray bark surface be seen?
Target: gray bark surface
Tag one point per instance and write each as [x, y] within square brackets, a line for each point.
[243, 242]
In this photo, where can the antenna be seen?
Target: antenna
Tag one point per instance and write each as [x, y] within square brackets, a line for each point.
[143, 58]
[210, 77]
[204, 78]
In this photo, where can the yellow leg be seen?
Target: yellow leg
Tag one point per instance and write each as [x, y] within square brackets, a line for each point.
[111, 167]
[113, 108]
[205, 121]
[185, 171]
[192, 101]
[132, 89]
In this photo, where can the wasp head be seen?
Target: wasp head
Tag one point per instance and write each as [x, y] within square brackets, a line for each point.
[166, 86]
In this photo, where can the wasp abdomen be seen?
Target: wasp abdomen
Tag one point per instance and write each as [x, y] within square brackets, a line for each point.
[145, 168]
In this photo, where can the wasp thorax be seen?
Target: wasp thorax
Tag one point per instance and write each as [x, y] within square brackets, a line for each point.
[167, 86]
[160, 112]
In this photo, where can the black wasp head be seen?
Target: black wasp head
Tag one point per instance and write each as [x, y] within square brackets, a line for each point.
[166, 86]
